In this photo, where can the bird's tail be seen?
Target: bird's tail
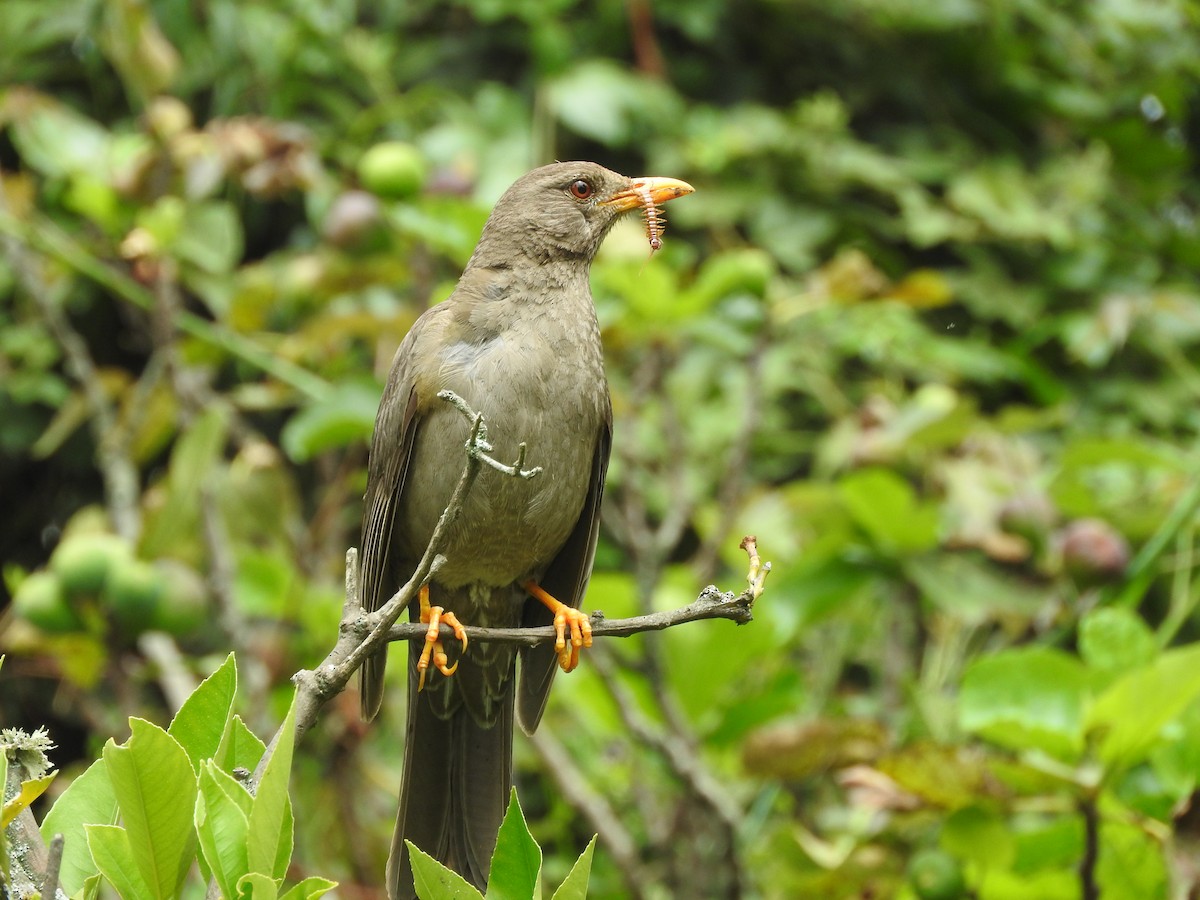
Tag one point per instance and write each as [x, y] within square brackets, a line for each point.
[456, 783]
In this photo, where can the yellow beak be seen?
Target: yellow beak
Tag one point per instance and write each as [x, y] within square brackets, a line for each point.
[646, 191]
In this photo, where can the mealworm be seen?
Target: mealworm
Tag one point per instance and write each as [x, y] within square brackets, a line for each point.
[654, 220]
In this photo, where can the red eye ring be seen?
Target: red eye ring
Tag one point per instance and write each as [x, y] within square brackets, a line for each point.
[581, 189]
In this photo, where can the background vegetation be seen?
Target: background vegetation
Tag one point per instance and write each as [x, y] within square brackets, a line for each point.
[929, 327]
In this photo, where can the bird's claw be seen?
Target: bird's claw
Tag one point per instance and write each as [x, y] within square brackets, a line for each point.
[435, 617]
[580, 625]
[565, 617]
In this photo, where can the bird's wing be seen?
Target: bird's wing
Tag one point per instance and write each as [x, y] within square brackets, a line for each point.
[567, 580]
[391, 449]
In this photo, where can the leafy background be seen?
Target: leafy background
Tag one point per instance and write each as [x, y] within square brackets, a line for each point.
[928, 327]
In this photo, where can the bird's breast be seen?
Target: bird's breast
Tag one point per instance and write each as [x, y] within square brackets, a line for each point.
[540, 384]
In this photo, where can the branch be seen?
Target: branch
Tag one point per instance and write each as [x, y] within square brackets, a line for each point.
[711, 604]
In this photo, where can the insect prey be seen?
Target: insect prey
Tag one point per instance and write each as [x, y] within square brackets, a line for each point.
[655, 220]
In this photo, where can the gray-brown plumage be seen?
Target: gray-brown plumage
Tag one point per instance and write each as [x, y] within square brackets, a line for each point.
[518, 340]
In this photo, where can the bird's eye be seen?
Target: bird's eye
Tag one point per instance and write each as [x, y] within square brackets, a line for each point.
[581, 189]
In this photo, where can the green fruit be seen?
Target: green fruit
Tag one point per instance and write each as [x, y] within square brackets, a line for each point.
[936, 875]
[133, 593]
[82, 562]
[184, 609]
[393, 169]
[41, 602]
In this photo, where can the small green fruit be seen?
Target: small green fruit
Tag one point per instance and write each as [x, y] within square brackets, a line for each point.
[184, 609]
[393, 170]
[133, 593]
[82, 562]
[41, 602]
[936, 875]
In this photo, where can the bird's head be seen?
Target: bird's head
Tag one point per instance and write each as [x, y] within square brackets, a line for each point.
[564, 211]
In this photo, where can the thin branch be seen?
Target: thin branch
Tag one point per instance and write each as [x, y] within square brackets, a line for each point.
[711, 604]
[53, 864]
[1088, 888]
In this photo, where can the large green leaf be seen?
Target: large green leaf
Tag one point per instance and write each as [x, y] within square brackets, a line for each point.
[88, 800]
[343, 418]
[309, 889]
[155, 789]
[517, 861]
[222, 819]
[201, 722]
[1129, 717]
[886, 507]
[1027, 698]
[115, 857]
[434, 881]
[240, 747]
[575, 885]
[270, 836]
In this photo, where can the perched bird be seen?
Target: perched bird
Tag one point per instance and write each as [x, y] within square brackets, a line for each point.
[519, 341]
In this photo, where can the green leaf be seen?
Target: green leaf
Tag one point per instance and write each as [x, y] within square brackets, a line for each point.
[257, 886]
[1115, 640]
[197, 451]
[972, 590]
[309, 889]
[596, 98]
[886, 507]
[1131, 714]
[156, 792]
[434, 881]
[270, 837]
[56, 140]
[1027, 698]
[978, 835]
[31, 789]
[210, 237]
[202, 721]
[1131, 862]
[517, 860]
[111, 849]
[240, 747]
[575, 885]
[222, 820]
[343, 418]
[88, 800]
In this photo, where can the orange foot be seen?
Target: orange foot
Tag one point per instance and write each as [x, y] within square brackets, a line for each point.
[564, 616]
[434, 616]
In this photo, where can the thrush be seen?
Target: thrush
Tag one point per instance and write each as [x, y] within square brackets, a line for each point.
[519, 341]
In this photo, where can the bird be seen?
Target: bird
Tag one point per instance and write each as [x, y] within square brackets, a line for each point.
[519, 341]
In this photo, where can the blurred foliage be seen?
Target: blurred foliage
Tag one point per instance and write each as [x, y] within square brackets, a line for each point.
[929, 327]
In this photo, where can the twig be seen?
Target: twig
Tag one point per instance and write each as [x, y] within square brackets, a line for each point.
[1088, 888]
[53, 864]
[711, 604]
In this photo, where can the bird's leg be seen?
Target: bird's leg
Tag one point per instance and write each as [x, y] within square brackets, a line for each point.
[434, 617]
[564, 617]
